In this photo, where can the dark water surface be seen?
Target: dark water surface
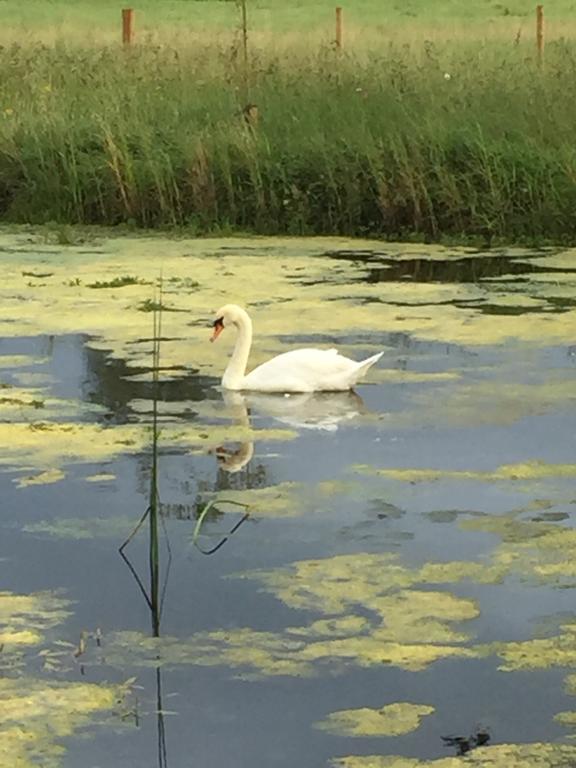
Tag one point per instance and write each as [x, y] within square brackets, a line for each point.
[437, 503]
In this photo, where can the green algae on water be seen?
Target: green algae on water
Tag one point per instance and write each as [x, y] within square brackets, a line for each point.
[390, 720]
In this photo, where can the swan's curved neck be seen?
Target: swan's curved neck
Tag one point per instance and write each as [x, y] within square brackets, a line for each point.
[236, 369]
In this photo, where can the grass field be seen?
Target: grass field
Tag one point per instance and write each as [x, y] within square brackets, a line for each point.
[429, 123]
[82, 21]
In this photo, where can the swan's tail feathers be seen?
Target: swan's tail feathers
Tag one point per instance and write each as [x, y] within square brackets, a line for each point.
[364, 365]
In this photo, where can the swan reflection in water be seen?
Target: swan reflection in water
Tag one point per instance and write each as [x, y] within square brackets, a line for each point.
[310, 410]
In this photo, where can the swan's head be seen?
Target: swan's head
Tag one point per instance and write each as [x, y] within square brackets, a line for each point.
[229, 314]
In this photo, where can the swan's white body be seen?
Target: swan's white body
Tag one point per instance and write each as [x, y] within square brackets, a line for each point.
[302, 370]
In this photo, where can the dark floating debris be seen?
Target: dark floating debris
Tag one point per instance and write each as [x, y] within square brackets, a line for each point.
[464, 744]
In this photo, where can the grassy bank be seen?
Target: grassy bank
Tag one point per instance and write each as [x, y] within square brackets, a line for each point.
[411, 137]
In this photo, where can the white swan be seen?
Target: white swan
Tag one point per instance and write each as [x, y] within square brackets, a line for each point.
[302, 370]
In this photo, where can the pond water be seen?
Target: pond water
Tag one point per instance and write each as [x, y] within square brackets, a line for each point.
[397, 590]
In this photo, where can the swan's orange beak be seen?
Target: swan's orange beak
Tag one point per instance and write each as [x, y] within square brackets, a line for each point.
[218, 326]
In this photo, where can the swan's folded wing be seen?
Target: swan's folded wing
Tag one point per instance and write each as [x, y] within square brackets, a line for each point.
[302, 370]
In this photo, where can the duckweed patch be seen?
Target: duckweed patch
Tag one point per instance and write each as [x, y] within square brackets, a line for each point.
[566, 718]
[531, 755]
[373, 616]
[534, 470]
[76, 308]
[36, 715]
[390, 720]
[39, 709]
[284, 499]
[83, 528]
[101, 477]
[24, 619]
[44, 478]
[42, 445]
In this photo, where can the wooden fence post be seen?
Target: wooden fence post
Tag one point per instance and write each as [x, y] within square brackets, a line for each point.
[540, 32]
[338, 40]
[244, 21]
[127, 25]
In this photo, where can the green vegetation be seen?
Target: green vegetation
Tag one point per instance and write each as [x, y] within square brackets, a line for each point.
[531, 755]
[391, 720]
[117, 282]
[405, 132]
[164, 19]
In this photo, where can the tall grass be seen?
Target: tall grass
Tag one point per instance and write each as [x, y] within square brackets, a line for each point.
[416, 138]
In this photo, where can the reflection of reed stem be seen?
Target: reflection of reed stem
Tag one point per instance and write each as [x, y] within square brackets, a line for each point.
[153, 502]
[155, 596]
[162, 752]
[129, 564]
[224, 539]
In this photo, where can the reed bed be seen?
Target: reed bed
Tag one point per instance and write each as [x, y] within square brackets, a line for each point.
[409, 138]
